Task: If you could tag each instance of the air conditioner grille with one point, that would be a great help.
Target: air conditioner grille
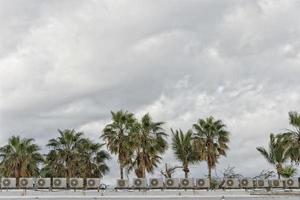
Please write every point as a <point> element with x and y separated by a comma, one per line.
<point>57,182</point>
<point>260,183</point>
<point>24,182</point>
<point>138,182</point>
<point>6,182</point>
<point>276,183</point>
<point>185,182</point>
<point>41,182</point>
<point>201,182</point>
<point>74,182</point>
<point>230,182</point>
<point>121,183</point>
<point>91,182</point>
<point>154,182</point>
<point>170,182</point>
<point>245,182</point>
<point>290,182</point>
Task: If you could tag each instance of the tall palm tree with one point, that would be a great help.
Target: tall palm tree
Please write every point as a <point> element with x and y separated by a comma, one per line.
<point>211,141</point>
<point>20,157</point>
<point>116,135</point>
<point>65,147</point>
<point>293,136</point>
<point>92,159</point>
<point>278,152</point>
<point>183,149</point>
<point>149,142</point>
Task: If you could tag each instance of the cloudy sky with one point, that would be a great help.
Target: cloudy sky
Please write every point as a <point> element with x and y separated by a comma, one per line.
<point>67,64</point>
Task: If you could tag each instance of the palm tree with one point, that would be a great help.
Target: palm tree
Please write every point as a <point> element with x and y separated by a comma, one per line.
<point>54,165</point>
<point>288,171</point>
<point>183,149</point>
<point>92,159</point>
<point>211,141</point>
<point>20,157</point>
<point>149,142</point>
<point>116,135</point>
<point>293,136</point>
<point>65,148</point>
<point>277,153</point>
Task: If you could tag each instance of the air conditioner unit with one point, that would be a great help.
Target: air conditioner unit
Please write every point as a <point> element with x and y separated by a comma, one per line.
<point>76,183</point>
<point>59,183</point>
<point>43,183</point>
<point>172,183</point>
<point>122,183</point>
<point>202,183</point>
<point>8,182</point>
<point>231,183</point>
<point>262,183</point>
<point>92,183</point>
<point>156,183</point>
<point>276,183</point>
<point>291,183</point>
<point>26,182</point>
<point>187,183</point>
<point>246,183</point>
<point>139,183</point>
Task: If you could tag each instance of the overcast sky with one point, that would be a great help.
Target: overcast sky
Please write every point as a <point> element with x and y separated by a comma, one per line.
<point>67,64</point>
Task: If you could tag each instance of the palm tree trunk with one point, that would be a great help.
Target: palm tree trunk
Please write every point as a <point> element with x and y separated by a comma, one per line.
<point>186,174</point>
<point>143,173</point>
<point>209,175</point>
<point>209,161</point>
<point>186,170</point>
<point>279,169</point>
<point>142,163</point>
<point>17,174</point>
<point>121,171</point>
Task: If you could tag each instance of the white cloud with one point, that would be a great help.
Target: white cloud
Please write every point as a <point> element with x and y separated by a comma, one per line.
<point>67,64</point>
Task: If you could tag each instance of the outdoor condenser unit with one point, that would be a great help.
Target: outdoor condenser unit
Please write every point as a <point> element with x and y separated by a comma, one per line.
<point>202,183</point>
<point>43,182</point>
<point>187,183</point>
<point>231,183</point>
<point>92,183</point>
<point>26,182</point>
<point>8,182</point>
<point>156,183</point>
<point>139,183</point>
<point>276,183</point>
<point>59,183</point>
<point>76,183</point>
<point>292,183</point>
<point>246,183</point>
<point>122,183</point>
<point>172,183</point>
<point>262,183</point>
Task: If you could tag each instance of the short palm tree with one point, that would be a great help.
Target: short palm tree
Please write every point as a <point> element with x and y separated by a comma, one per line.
<point>116,136</point>
<point>288,171</point>
<point>277,153</point>
<point>183,149</point>
<point>211,141</point>
<point>149,142</point>
<point>92,159</point>
<point>20,157</point>
<point>65,147</point>
<point>293,136</point>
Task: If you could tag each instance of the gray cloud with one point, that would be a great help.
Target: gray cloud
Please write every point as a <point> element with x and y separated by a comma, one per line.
<point>67,64</point>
